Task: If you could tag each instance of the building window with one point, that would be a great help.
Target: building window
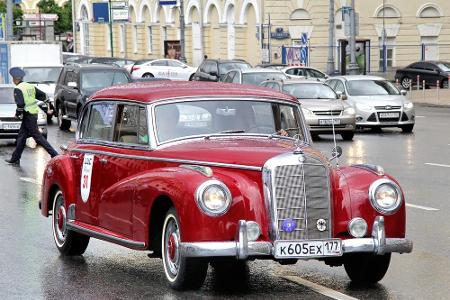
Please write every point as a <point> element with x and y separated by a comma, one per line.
<point>123,38</point>
<point>135,38</point>
<point>429,11</point>
<point>149,39</point>
<point>300,14</point>
<point>390,52</point>
<point>388,11</point>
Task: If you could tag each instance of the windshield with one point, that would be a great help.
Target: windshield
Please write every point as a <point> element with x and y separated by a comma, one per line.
<point>225,67</point>
<point>7,95</point>
<point>310,91</point>
<point>371,88</point>
<point>178,120</point>
<point>256,78</point>
<point>42,74</point>
<point>444,67</point>
<point>95,80</point>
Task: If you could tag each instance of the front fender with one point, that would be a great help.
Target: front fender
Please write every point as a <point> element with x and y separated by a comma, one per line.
<point>180,184</point>
<point>58,173</point>
<point>354,183</point>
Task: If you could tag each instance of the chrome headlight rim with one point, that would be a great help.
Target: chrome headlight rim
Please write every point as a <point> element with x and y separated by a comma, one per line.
<point>203,188</point>
<point>373,201</point>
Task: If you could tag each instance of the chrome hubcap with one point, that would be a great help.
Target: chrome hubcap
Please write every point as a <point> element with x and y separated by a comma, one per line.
<point>171,247</point>
<point>59,220</point>
<point>406,82</point>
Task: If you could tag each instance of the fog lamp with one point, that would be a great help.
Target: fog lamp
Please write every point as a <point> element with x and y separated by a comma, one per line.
<point>253,231</point>
<point>357,227</point>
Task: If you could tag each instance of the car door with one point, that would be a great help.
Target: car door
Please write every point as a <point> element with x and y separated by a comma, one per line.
<point>177,70</point>
<point>159,68</point>
<point>130,141</point>
<point>71,93</point>
<point>88,160</point>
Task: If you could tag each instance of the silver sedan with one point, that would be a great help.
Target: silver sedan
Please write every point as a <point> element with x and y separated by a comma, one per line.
<point>378,103</point>
<point>323,110</point>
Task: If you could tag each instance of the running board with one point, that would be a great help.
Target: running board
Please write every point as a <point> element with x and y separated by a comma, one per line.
<point>102,234</point>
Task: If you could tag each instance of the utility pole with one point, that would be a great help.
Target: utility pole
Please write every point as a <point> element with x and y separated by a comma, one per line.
<point>74,34</point>
<point>111,43</point>
<point>353,68</point>
<point>9,20</point>
<point>383,41</point>
<point>330,62</point>
<point>182,33</point>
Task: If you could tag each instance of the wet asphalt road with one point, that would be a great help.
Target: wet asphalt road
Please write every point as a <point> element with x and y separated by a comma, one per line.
<point>31,268</point>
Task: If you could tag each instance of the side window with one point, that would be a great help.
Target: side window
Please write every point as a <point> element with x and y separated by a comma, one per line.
<point>131,125</point>
<point>214,67</point>
<point>84,122</point>
<point>315,74</point>
<point>236,77</point>
<point>174,63</point>
<point>159,63</point>
<point>276,86</point>
<point>70,76</point>
<point>230,77</point>
<point>208,66</point>
<point>100,122</point>
<point>339,87</point>
<point>291,72</point>
<point>332,84</point>
<point>202,67</point>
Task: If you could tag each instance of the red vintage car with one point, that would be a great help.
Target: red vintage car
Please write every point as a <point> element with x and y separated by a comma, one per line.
<point>204,174</point>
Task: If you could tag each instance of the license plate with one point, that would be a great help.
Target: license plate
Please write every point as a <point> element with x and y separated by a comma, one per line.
<point>11,126</point>
<point>301,249</point>
<point>329,122</point>
<point>389,115</point>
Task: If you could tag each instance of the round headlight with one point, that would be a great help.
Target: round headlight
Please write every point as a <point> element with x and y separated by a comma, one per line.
<point>213,197</point>
<point>385,196</point>
<point>357,227</point>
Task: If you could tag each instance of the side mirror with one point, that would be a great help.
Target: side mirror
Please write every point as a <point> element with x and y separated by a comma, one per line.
<point>336,152</point>
<point>403,92</point>
<point>214,73</point>
<point>341,96</point>
<point>72,84</point>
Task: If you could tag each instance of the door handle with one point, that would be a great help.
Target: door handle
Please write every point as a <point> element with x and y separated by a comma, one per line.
<point>103,160</point>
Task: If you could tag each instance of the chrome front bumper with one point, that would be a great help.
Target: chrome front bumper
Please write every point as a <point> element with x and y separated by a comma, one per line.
<point>241,248</point>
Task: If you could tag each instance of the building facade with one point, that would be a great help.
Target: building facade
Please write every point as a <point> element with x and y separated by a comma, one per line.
<point>414,30</point>
<point>30,6</point>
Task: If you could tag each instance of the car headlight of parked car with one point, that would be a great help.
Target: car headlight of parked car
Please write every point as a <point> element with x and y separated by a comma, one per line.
<point>213,197</point>
<point>385,196</point>
<point>361,106</point>
<point>349,111</point>
<point>408,105</point>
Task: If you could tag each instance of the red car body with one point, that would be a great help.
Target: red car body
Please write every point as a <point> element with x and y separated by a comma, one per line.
<point>133,190</point>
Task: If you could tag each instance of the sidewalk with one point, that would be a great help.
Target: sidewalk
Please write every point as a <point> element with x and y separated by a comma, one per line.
<point>431,97</point>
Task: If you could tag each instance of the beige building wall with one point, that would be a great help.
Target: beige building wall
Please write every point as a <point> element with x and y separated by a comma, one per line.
<point>231,29</point>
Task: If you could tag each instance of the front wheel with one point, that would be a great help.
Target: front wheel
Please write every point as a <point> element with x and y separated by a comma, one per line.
<point>148,75</point>
<point>363,268</point>
<point>63,124</point>
<point>181,272</point>
<point>68,242</point>
<point>407,128</point>
<point>406,82</point>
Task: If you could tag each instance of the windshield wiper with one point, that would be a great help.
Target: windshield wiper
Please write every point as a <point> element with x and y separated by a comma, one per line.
<point>233,131</point>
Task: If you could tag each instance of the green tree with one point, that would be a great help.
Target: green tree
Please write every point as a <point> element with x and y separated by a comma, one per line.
<point>64,13</point>
<point>17,13</point>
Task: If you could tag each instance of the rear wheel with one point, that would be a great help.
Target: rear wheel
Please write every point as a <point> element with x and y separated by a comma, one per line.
<point>366,269</point>
<point>68,242</point>
<point>347,136</point>
<point>148,75</point>
<point>63,124</point>
<point>444,84</point>
<point>181,272</point>
<point>407,128</point>
<point>406,82</point>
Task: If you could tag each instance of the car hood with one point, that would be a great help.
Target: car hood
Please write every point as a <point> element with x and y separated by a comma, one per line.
<point>237,150</point>
<point>379,100</point>
<point>48,88</point>
<point>7,110</point>
<point>322,104</point>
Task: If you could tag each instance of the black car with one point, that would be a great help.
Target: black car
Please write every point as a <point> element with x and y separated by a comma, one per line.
<point>79,81</point>
<point>430,71</point>
<point>215,69</point>
<point>115,61</point>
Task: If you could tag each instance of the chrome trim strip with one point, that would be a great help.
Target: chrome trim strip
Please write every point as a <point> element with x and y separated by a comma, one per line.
<point>172,160</point>
<point>123,242</point>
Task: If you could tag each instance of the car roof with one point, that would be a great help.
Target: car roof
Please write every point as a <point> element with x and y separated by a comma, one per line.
<point>227,60</point>
<point>148,92</point>
<point>358,77</point>
<point>93,66</point>
<point>260,70</point>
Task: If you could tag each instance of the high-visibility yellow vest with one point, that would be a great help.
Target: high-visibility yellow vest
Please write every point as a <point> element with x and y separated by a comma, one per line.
<point>29,96</point>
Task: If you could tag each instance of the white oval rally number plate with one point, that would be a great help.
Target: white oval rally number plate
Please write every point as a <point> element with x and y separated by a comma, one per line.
<point>86,176</point>
<point>311,248</point>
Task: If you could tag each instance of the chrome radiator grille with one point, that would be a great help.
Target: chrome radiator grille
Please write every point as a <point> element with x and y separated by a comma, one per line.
<point>302,193</point>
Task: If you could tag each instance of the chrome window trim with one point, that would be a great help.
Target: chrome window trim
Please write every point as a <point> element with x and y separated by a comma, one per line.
<point>171,160</point>
<point>157,143</point>
<point>269,167</point>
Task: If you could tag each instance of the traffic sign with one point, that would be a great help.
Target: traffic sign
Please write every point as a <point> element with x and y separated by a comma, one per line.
<point>168,2</point>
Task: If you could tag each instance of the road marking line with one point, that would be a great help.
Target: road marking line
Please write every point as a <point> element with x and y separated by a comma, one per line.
<point>30,180</point>
<point>421,207</point>
<point>420,117</point>
<point>437,165</point>
<point>319,289</point>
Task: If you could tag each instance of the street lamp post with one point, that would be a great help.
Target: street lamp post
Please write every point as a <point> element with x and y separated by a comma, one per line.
<point>383,41</point>
<point>182,33</point>
<point>9,20</point>
<point>353,66</point>
<point>330,62</point>
<point>111,43</point>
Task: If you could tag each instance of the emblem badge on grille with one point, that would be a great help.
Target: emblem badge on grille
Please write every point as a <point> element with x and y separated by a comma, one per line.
<point>388,107</point>
<point>288,225</point>
<point>321,225</point>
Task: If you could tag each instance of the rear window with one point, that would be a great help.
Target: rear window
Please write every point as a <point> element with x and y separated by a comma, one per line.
<point>225,67</point>
<point>96,80</point>
<point>257,77</point>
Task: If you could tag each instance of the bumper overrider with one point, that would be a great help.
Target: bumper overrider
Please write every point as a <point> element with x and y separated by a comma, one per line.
<point>241,248</point>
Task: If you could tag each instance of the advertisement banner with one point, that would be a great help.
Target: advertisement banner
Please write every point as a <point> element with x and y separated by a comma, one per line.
<point>4,63</point>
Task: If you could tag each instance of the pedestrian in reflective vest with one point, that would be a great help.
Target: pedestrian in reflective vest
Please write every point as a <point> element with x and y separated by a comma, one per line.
<point>25,96</point>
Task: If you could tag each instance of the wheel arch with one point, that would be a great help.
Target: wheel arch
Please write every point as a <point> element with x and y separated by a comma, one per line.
<point>158,211</point>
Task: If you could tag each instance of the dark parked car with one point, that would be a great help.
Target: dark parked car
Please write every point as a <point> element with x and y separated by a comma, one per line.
<point>215,69</point>
<point>121,62</point>
<point>79,81</point>
<point>430,71</point>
